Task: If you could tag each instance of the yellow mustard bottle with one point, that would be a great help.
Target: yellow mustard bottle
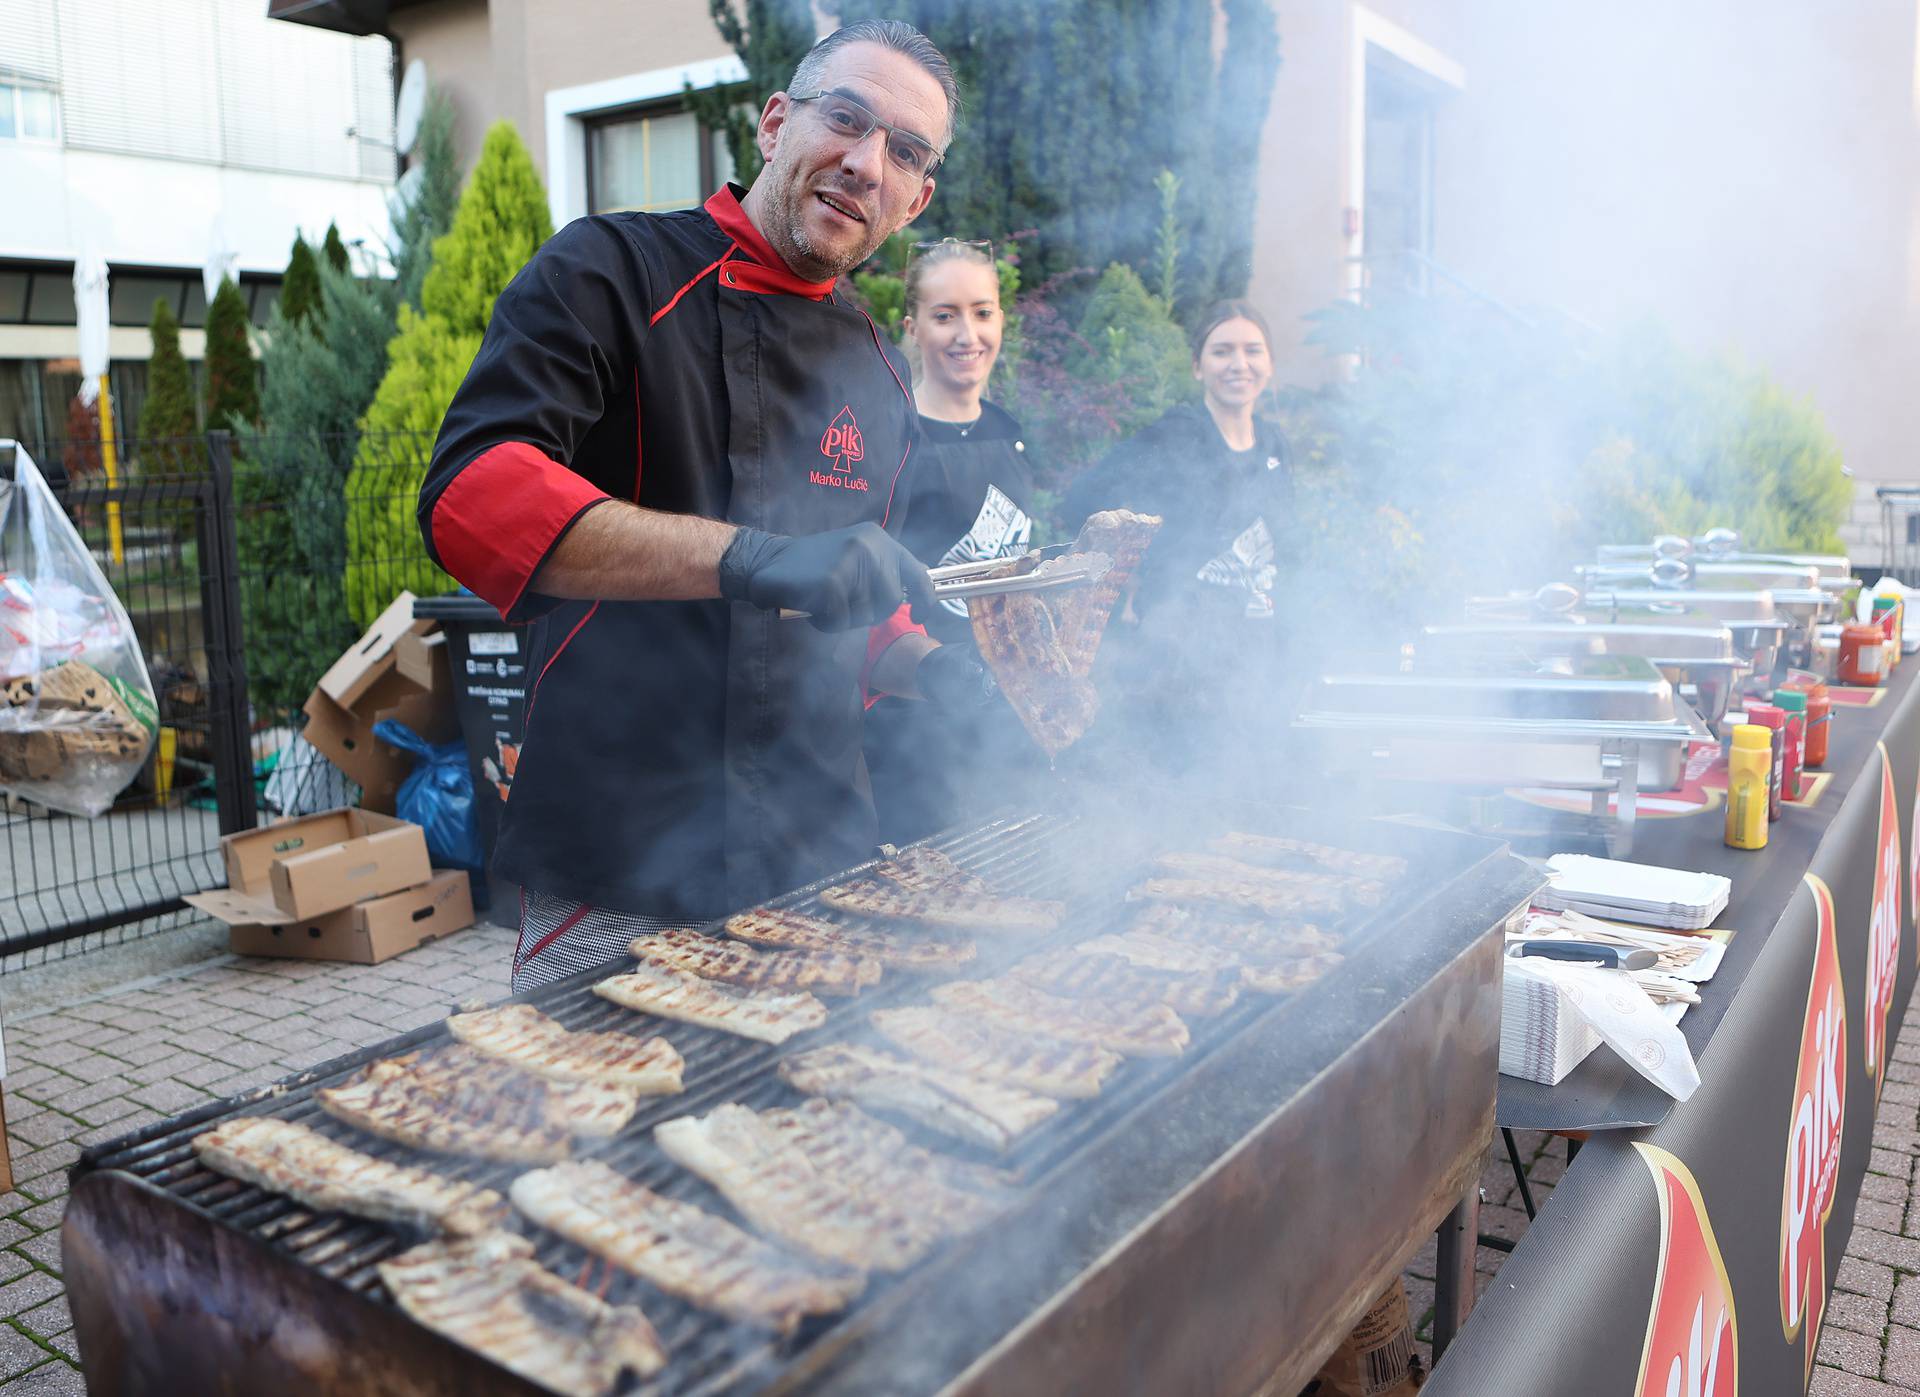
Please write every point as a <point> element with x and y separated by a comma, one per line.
<point>1749,765</point>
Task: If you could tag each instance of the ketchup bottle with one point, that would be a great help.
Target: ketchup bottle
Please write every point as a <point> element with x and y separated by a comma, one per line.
<point>1775,721</point>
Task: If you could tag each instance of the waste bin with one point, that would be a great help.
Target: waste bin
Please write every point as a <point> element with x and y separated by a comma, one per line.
<point>489,663</point>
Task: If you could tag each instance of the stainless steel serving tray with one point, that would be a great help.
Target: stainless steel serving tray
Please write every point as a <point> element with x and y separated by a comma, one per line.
<point>1558,688</point>
<point>1691,573</point>
<point>1703,660</point>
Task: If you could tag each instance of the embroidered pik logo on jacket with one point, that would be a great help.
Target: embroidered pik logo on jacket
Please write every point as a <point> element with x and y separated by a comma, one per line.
<point>841,442</point>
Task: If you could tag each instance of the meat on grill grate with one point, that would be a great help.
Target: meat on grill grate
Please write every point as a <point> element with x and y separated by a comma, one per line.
<point>974,1109</point>
<point>713,958</point>
<point>489,1294</point>
<point>1087,972</point>
<point>997,1052</point>
<point>1232,873</point>
<point>770,926</point>
<point>774,1187</point>
<point>1137,1030</point>
<point>945,907</point>
<point>673,994</point>
<point>682,1249</point>
<point>459,1101</point>
<point>1279,851</point>
<point>522,1035</point>
<point>1270,958</point>
<point>321,1173</point>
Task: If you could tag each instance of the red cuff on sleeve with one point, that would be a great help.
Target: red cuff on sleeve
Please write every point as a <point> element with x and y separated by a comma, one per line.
<point>878,640</point>
<point>497,520</point>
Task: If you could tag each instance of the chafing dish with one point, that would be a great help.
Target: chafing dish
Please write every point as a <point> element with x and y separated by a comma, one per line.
<point>1701,660</point>
<point>1603,724</point>
<point>1723,546</point>
<point>1760,629</point>
<point>1717,576</point>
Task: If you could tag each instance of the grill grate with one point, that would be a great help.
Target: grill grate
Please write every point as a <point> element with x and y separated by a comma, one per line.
<point>1079,857</point>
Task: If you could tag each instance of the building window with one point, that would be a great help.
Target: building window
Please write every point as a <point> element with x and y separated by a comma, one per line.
<point>28,113</point>
<point>653,159</point>
<point>1397,216</point>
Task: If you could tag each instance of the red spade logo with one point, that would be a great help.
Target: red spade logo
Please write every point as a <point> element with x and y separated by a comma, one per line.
<point>841,441</point>
<point>1813,1136</point>
<point>1692,1347</point>
<point>1883,932</point>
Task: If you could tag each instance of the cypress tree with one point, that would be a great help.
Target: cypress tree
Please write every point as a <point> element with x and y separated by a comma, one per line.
<point>424,217</point>
<point>167,414</point>
<point>1073,106</point>
<point>770,37</point>
<point>500,222</point>
<point>334,250</point>
<point>300,291</point>
<point>233,393</point>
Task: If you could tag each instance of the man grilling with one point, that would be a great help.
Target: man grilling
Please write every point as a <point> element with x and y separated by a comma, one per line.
<point>675,431</point>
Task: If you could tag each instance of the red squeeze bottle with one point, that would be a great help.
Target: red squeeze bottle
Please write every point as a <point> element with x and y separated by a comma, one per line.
<point>1774,719</point>
<point>1795,704</point>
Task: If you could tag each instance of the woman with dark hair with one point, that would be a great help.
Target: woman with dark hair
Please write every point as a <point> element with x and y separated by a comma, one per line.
<point>1204,643</point>
<point>972,492</point>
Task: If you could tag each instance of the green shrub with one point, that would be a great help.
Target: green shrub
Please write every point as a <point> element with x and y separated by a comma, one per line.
<point>499,224</point>
<point>233,390</point>
<point>300,291</point>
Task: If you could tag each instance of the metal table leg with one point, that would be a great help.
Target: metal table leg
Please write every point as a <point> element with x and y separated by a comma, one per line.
<point>1453,1269</point>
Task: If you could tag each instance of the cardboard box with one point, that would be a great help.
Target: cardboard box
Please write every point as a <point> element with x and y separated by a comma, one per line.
<point>302,869</point>
<point>398,670</point>
<point>368,932</point>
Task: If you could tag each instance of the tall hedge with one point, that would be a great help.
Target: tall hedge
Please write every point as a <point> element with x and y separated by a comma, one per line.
<point>233,390</point>
<point>334,250</point>
<point>500,222</point>
<point>1070,108</point>
<point>167,416</point>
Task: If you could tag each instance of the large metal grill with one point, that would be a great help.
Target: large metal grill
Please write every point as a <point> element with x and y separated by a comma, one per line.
<point>1085,1178</point>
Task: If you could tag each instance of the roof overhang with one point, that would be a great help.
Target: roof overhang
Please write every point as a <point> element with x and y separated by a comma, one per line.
<point>342,16</point>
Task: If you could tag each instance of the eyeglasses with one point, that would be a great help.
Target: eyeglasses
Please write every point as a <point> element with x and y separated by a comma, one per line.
<point>977,244</point>
<point>854,120</point>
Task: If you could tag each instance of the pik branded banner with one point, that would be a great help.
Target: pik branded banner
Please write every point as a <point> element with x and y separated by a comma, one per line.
<point>1695,1258</point>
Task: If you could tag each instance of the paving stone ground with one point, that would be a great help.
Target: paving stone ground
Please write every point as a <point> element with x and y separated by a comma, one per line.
<point>87,1069</point>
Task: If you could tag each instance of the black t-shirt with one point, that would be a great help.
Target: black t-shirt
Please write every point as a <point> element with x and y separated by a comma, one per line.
<point>972,498</point>
<point>1226,512</point>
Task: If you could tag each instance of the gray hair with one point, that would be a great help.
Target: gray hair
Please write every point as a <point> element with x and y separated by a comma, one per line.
<point>895,34</point>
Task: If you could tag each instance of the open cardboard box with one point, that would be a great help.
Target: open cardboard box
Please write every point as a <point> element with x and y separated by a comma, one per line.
<point>367,932</point>
<point>302,869</point>
<point>399,670</point>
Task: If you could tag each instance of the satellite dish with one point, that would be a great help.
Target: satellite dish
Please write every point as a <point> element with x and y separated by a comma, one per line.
<point>410,107</point>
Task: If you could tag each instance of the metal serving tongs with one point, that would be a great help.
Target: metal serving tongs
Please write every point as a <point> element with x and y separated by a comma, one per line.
<point>965,579</point>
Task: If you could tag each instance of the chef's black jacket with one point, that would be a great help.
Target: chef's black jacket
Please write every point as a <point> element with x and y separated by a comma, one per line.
<point>972,500</point>
<point>683,758</point>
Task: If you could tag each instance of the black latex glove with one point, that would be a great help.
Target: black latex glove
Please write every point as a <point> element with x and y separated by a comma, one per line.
<point>843,580</point>
<point>951,677</point>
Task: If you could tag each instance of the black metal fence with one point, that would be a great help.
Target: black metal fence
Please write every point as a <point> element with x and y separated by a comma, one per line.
<point>239,562</point>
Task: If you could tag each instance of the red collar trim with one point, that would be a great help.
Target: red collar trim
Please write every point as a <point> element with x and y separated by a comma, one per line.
<point>773,273</point>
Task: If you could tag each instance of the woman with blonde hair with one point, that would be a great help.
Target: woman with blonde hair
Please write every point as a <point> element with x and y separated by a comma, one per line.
<point>972,494</point>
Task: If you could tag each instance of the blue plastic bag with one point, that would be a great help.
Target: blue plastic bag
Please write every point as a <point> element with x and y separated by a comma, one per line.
<point>438,796</point>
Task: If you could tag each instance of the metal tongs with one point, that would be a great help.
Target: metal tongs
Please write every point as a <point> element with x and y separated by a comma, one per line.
<point>964,580</point>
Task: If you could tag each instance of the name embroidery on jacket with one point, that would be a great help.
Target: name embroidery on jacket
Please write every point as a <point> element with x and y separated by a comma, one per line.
<point>843,445</point>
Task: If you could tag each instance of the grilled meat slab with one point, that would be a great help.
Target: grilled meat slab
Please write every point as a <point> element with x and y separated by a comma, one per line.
<point>490,1295</point>
<point>777,1188</point>
<point>459,1101</point>
<point>522,1035</point>
<point>920,868</point>
<point>970,1046</point>
<point>978,1111</point>
<point>712,958</point>
<point>1019,641</point>
<point>1083,972</point>
<point>1137,1030</point>
<point>327,1176</point>
<point>1279,851</point>
<point>868,1155</point>
<point>944,907</point>
<point>684,1250</point>
<point>674,994</point>
<point>767,926</point>
<point>1270,959</point>
<point>1366,892</point>
<point>1081,613</point>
